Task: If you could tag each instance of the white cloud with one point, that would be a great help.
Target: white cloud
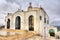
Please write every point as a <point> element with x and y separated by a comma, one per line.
<point>52,7</point>
<point>6,7</point>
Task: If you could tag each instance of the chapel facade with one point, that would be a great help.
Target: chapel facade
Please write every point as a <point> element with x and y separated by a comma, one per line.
<point>34,19</point>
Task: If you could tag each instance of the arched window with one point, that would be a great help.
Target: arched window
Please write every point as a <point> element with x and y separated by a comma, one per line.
<point>17,22</point>
<point>31,23</point>
<point>52,32</point>
<point>8,24</point>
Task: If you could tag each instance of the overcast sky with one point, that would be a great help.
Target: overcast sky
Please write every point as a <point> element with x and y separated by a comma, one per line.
<point>52,8</point>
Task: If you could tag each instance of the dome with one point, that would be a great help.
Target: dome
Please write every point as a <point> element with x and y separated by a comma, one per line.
<point>30,5</point>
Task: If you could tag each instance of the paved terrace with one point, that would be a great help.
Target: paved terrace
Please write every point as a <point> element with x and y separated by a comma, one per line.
<point>21,35</point>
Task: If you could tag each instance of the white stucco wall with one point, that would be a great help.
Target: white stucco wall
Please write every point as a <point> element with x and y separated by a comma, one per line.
<point>39,25</point>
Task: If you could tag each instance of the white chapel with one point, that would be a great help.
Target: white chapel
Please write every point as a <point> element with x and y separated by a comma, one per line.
<point>34,19</point>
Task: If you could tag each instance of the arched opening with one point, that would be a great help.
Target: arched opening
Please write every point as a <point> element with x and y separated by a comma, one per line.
<point>31,23</point>
<point>52,32</point>
<point>18,22</point>
<point>8,24</point>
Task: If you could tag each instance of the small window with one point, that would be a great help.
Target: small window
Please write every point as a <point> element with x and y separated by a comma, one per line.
<point>44,20</point>
<point>40,17</point>
<point>47,21</point>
